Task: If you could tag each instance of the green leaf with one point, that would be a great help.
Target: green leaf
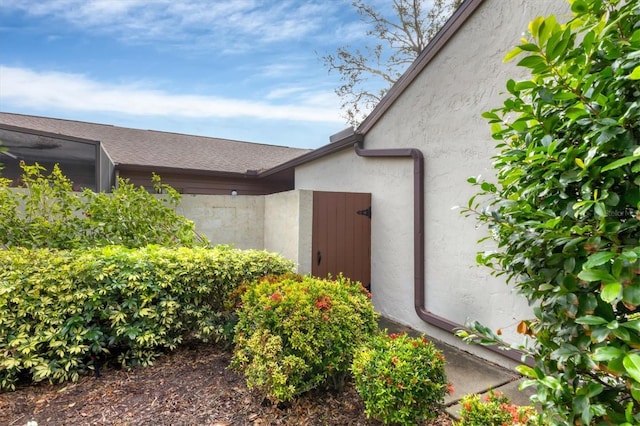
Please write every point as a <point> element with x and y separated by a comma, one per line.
<point>571,246</point>
<point>616,268</point>
<point>569,176</point>
<point>565,351</point>
<point>576,112</point>
<point>631,363</point>
<point>534,26</point>
<point>622,334</point>
<point>562,45</point>
<point>579,7</point>
<point>616,365</point>
<point>606,135</point>
<point>631,295</point>
<point>634,325</point>
<point>599,335</point>
<point>619,163</point>
<point>635,393</point>
<point>551,382</point>
<point>529,47</point>
<point>611,292</point>
<point>581,406</point>
<point>490,115</point>
<point>547,28</point>
<point>600,209</point>
<point>569,264</point>
<point>591,320</point>
<point>635,74</point>
<point>598,259</point>
<point>612,199</point>
<point>607,353</point>
<point>593,389</point>
<point>595,275</point>
<point>527,371</point>
<point>531,62</point>
<point>512,54</point>
<point>526,84</point>
<point>564,96</point>
<point>551,46</point>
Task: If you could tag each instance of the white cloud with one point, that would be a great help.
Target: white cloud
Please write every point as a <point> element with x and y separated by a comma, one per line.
<point>55,90</point>
<point>284,92</point>
<point>224,24</point>
<point>283,69</point>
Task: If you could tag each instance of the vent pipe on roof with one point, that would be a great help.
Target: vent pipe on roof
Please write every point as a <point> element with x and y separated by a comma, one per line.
<point>342,135</point>
<point>419,283</point>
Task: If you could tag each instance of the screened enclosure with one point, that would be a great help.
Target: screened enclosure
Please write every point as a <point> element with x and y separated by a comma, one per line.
<point>83,161</point>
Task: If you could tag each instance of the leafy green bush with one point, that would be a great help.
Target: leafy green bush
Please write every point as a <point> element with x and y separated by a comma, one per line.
<point>400,379</point>
<point>49,214</point>
<point>295,334</point>
<point>60,309</point>
<point>494,409</point>
<point>565,212</point>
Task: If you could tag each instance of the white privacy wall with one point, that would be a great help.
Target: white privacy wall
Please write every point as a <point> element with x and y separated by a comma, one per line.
<point>280,223</point>
<point>227,219</point>
<point>440,115</point>
<point>288,226</point>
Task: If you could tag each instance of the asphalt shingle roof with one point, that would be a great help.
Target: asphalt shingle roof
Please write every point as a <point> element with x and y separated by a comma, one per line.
<point>137,147</point>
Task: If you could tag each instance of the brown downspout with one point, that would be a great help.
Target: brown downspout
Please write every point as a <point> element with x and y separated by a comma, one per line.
<point>418,240</point>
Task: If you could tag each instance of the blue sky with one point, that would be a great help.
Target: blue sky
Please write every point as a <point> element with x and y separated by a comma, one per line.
<point>237,69</point>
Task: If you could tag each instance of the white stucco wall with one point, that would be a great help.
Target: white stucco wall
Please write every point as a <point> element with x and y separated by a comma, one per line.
<point>280,223</point>
<point>227,219</point>
<point>288,225</point>
<point>439,114</point>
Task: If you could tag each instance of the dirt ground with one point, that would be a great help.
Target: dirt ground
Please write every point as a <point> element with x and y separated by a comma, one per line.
<point>191,386</point>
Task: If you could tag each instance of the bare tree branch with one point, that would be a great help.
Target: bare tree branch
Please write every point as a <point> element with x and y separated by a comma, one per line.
<point>367,74</point>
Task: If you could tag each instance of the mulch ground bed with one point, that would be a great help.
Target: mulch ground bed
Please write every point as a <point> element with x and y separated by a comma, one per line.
<point>191,386</point>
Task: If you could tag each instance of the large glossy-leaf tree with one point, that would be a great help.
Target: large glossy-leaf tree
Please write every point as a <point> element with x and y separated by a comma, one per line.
<point>564,210</point>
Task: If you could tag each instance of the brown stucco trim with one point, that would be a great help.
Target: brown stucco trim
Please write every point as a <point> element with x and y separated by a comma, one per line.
<point>457,20</point>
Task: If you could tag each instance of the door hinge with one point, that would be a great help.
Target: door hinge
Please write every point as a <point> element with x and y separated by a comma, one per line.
<point>365,212</point>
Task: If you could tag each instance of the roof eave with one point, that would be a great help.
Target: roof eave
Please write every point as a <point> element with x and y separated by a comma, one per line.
<point>179,170</point>
<point>342,140</point>
<point>47,134</point>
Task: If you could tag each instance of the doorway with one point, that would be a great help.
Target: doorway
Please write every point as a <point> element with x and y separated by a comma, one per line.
<point>341,235</point>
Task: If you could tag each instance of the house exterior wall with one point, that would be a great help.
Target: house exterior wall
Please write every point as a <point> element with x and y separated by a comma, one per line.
<point>440,115</point>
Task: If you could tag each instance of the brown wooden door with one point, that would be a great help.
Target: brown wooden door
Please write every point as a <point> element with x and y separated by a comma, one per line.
<point>341,240</point>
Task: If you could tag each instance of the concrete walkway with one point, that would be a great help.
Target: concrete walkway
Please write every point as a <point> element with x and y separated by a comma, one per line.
<point>468,373</point>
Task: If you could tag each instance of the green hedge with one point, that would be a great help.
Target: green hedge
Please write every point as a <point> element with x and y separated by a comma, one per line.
<point>46,213</point>
<point>295,334</point>
<point>62,309</point>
